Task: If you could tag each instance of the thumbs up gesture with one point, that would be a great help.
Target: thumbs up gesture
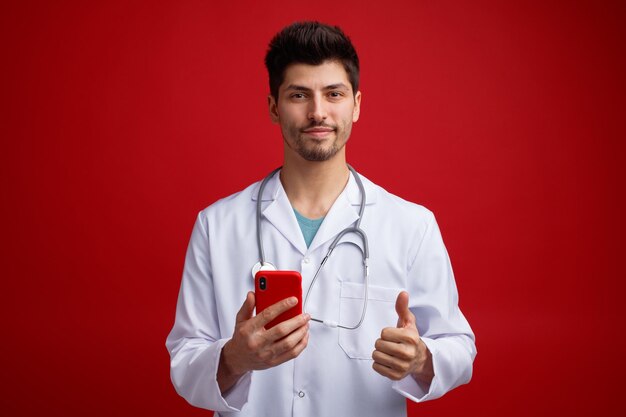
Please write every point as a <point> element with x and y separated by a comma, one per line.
<point>400,351</point>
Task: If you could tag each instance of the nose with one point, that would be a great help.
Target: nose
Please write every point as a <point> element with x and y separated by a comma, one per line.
<point>317,110</point>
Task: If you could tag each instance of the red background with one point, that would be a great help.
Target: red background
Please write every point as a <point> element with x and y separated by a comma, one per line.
<point>121,120</point>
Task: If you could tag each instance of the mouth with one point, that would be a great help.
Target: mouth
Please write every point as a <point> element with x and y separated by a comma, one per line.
<point>318,131</point>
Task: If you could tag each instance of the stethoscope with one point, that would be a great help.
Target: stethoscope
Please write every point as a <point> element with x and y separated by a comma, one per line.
<point>264,265</point>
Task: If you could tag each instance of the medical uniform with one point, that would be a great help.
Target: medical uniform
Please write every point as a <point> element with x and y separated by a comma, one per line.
<point>333,376</point>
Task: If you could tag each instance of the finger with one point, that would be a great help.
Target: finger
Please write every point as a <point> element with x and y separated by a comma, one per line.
<point>273,311</point>
<point>245,312</point>
<point>390,361</point>
<point>287,327</point>
<point>291,340</point>
<point>294,352</point>
<point>387,372</point>
<point>401,351</point>
<point>405,317</point>
<point>404,335</point>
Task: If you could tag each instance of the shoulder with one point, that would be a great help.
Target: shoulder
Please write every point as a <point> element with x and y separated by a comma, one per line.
<point>226,207</point>
<point>398,207</point>
<point>399,223</point>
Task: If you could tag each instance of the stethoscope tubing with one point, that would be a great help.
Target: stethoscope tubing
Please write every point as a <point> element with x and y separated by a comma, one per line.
<point>355,229</point>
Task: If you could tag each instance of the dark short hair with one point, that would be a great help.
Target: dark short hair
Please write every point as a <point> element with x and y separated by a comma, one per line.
<point>310,43</point>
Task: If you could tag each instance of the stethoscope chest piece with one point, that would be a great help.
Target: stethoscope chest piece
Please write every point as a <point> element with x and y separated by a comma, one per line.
<point>266,266</point>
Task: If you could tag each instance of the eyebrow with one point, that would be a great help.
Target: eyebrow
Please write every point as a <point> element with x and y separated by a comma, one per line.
<point>336,86</point>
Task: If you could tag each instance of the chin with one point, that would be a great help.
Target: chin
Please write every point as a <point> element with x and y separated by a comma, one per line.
<point>319,154</point>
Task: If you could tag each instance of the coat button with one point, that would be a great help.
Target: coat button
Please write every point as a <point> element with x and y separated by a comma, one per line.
<point>306,260</point>
<point>301,394</point>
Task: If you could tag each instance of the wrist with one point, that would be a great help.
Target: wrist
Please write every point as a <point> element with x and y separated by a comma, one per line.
<point>227,375</point>
<point>228,364</point>
<point>425,373</point>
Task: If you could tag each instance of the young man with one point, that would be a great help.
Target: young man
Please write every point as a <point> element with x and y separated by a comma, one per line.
<point>413,341</point>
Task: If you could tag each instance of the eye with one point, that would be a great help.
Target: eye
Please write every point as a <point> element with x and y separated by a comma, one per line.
<point>335,94</point>
<point>297,96</point>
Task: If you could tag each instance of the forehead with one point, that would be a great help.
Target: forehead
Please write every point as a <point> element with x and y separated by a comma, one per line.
<point>315,76</point>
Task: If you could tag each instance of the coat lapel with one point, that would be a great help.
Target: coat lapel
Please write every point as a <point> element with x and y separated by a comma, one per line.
<point>279,214</point>
<point>343,213</point>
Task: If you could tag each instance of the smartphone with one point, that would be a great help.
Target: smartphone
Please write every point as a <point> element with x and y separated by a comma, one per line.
<point>271,287</point>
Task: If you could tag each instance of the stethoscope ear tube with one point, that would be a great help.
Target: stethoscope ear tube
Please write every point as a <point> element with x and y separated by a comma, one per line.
<point>258,215</point>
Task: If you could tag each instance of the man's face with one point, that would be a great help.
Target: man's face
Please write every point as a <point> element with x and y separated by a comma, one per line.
<point>315,110</point>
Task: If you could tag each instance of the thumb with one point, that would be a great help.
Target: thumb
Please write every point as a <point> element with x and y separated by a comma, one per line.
<point>247,308</point>
<point>405,317</point>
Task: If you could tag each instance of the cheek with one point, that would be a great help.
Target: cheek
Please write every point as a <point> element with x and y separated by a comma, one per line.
<point>347,130</point>
<point>287,118</point>
<point>289,128</point>
<point>347,120</point>
<point>349,114</point>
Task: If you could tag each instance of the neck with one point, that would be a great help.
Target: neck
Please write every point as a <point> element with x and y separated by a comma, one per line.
<point>313,187</point>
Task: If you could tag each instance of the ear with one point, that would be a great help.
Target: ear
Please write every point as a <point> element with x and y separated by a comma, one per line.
<point>273,109</point>
<point>357,107</point>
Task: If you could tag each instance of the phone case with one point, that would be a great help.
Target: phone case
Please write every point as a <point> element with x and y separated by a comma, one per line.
<point>278,286</point>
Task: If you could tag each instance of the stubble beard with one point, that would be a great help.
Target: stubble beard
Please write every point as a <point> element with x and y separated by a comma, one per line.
<point>314,151</point>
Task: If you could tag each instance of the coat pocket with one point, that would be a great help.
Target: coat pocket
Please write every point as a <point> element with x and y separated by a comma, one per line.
<point>381,313</point>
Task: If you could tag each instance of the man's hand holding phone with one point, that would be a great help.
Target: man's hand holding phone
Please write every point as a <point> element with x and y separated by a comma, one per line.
<point>253,347</point>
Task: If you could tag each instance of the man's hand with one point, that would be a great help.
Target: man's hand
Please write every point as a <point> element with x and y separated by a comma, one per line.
<point>252,347</point>
<point>400,351</point>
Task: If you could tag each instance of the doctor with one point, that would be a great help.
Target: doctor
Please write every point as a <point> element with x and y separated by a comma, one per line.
<point>414,341</point>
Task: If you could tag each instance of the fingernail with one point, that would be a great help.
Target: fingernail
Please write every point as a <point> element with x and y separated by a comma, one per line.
<point>292,301</point>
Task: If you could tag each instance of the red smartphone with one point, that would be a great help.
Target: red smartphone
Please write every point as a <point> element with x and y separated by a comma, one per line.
<point>271,287</point>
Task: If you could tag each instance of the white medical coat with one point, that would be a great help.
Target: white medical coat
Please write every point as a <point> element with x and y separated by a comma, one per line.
<point>333,376</point>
